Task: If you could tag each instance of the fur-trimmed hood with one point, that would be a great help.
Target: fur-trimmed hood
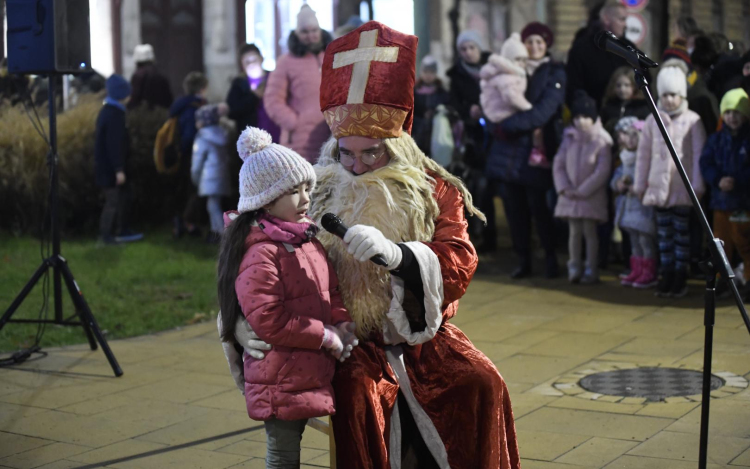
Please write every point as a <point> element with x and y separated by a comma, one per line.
<point>297,49</point>
<point>497,64</point>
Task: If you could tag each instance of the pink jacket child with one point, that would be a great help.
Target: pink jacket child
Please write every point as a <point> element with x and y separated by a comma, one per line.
<point>656,175</point>
<point>288,292</point>
<point>582,164</point>
<point>503,82</point>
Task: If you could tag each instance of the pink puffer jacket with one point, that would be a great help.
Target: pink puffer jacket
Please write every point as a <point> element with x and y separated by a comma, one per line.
<point>503,89</point>
<point>656,175</point>
<point>288,297</point>
<point>292,100</point>
<point>583,165</point>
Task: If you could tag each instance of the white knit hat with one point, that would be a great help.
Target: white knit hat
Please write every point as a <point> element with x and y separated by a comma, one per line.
<point>306,18</point>
<point>269,170</point>
<point>513,48</point>
<point>672,80</point>
<point>143,53</point>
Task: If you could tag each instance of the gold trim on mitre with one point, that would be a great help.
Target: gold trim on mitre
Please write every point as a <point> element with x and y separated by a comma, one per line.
<point>365,120</point>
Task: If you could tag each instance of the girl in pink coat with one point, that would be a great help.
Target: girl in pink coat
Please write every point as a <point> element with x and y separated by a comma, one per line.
<point>503,81</point>
<point>273,271</point>
<point>581,170</point>
<point>659,185</point>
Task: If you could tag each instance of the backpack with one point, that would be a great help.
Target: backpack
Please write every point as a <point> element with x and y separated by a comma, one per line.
<point>167,153</point>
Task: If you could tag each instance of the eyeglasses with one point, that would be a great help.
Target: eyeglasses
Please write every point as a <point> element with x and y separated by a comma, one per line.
<point>368,158</point>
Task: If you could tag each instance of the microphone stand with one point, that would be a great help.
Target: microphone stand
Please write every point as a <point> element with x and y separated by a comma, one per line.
<point>717,264</point>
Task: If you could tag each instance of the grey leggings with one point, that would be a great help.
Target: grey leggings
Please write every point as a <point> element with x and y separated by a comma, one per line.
<point>583,228</point>
<point>283,439</point>
<point>642,245</point>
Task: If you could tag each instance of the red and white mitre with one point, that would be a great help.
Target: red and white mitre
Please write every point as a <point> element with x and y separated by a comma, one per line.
<point>367,88</point>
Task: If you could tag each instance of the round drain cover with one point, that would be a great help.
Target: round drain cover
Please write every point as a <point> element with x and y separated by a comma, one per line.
<point>653,383</point>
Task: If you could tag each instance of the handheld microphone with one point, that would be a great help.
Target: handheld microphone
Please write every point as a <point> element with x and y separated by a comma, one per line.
<point>608,42</point>
<point>333,224</point>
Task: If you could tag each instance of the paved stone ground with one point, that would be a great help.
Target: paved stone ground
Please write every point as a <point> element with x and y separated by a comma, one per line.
<point>176,405</point>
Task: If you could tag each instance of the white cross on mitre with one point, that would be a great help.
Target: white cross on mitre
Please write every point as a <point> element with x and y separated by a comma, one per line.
<point>361,57</point>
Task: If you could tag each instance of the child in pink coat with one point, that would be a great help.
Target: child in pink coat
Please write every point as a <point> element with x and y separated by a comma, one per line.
<point>503,81</point>
<point>659,185</point>
<point>581,170</point>
<point>275,273</point>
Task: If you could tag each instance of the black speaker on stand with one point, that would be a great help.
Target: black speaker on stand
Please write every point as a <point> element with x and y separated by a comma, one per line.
<point>52,38</point>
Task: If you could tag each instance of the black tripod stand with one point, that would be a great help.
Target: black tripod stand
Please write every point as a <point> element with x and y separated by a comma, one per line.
<point>717,264</point>
<point>58,264</point>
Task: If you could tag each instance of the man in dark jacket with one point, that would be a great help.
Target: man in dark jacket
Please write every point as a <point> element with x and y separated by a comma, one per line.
<point>149,86</point>
<point>111,152</point>
<point>590,68</point>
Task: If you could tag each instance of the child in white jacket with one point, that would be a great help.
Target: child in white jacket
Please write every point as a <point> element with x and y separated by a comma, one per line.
<point>658,184</point>
<point>503,81</point>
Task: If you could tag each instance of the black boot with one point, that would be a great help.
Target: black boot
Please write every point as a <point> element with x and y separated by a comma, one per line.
<point>679,287</point>
<point>551,268</point>
<point>523,270</point>
<point>664,288</point>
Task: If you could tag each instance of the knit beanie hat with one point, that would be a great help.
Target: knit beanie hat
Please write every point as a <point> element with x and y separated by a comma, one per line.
<point>629,122</point>
<point>677,50</point>
<point>207,115</point>
<point>736,100</point>
<point>143,53</point>
<point>672,80</point>
<point>513,48</point>
<point>429,64</point>
<point>470,35</point>
<point>539,29</point>
<point>118,87</point>
<point>583,105</point>
<point>306,18</point>
<point>268,170</point>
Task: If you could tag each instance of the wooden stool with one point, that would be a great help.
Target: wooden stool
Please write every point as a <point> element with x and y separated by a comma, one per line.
<point>323,425</point>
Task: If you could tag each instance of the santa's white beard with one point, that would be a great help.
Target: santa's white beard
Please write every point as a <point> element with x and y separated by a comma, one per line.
<point>393,199</point>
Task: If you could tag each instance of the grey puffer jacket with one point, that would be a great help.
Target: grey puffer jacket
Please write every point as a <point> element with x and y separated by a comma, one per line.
<point>210,165</point>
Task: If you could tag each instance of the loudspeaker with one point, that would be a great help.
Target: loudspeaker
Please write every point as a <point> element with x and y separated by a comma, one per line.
<point>48,36</point>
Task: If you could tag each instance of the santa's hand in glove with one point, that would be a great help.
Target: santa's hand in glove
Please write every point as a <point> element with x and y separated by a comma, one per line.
<point>364,242</point>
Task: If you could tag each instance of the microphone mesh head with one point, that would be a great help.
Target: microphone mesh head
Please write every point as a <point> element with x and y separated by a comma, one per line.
<point>330,222</point>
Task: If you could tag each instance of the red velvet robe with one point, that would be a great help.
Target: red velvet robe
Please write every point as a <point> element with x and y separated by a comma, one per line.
<point>457,385</point>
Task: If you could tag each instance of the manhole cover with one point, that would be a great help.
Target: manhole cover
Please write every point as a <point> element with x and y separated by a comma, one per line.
<point>653,383</point>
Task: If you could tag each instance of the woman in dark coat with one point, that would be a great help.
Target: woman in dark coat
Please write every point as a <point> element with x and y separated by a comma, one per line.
<point>245,97</point>
<point>523,179</point>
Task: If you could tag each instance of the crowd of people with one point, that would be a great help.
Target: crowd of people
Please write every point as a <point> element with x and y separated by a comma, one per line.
<point>574,150</point>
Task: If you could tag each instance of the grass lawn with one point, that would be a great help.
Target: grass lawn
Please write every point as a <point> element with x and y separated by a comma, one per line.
<point>133,289</point>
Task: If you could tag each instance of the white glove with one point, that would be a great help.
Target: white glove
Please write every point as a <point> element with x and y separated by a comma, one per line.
<point>249,340</point>
<point>366,241</point>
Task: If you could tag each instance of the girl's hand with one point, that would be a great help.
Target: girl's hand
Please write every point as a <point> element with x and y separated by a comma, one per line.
<point>346,330</point>
<point>333,342</point>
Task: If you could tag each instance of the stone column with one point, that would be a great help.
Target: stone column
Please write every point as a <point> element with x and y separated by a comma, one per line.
<point>219,49</point>
<point>131,34</point>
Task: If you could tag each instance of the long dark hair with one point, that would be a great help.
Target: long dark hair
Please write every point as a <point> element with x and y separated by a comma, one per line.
<point>231,253</point>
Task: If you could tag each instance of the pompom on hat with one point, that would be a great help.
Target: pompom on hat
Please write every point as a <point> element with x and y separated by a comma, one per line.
<point>627,123</point>
<point>268,170</point>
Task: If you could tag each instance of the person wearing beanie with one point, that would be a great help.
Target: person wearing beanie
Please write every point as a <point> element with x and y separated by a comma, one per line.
<point>429,93</point>
<point>503,81</point>
<point>725,166</point>
<point>520,156</point>
<point>111,153</point>
<point>292,94</point>
<point>274,277</point>
<point>657,183</point>
<point>150,87</point>
<point>465,90</point>
<point>631,216</point>
<point>210,164</point>
<point>581,170</point>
